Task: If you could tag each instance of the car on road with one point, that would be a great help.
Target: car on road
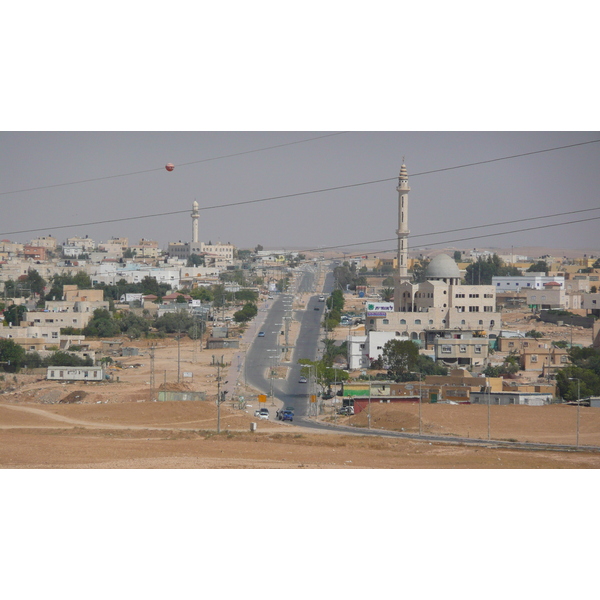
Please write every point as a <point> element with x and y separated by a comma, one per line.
<point>302,379</point>
<point>321,298</point>
<point>263,413</point>
<point>261,334</point>
<point>317,308</point>
<point>286,415</point>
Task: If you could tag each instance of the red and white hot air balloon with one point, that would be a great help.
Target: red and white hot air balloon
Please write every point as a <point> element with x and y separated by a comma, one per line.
<point>169,166</point>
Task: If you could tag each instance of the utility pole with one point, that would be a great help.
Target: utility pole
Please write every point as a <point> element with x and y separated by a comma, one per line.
<point>369,414</point>
<point>578,403</point>
<point>219,399</point>
<point>178,355</point>
<point>420,402</point>
<point>488,403</point>
<point>152,374</point>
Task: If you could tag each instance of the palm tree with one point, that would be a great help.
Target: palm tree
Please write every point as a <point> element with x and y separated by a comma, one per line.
<point>387,294</point>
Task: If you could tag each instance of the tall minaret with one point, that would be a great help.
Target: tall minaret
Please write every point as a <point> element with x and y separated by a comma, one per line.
<point>195,215</point>
<point>402,231</point>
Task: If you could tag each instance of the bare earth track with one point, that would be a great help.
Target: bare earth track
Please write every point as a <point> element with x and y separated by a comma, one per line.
<point>183,435</point>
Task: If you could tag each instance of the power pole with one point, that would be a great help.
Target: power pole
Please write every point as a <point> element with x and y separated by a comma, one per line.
<point>152,374</point>
<point>178,355</point>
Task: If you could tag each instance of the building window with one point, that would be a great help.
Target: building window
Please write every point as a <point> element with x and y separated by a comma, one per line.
<point>534,358</point>
<point>417,321</point>
<point>463,348</point>
<point>477,349</point>
<point>446,349</point>
<point>386,321</point>
<point>402,321</point>
<point>564,359</point>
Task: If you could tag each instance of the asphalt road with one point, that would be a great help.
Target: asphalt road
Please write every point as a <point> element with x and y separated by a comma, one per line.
<point>265,351</point>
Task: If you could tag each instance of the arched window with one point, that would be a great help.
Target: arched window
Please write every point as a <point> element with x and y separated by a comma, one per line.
<point>402,321</point>
<point>417,321</point>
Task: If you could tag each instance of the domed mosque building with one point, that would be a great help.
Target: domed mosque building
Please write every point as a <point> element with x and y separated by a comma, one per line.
<point>439,313</point>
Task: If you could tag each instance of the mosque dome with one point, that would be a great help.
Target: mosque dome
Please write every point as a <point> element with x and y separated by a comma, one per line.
<point>442,267</point>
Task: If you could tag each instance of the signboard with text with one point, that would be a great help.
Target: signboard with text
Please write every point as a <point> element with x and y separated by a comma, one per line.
<point>379,309</point>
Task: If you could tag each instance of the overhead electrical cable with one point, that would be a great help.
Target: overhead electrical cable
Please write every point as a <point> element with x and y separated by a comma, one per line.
<point>297,194</point>
<point>161,168</point>
<point>446,242</point>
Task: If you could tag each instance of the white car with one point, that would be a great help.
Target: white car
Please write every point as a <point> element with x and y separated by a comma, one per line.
<point>263,413</point>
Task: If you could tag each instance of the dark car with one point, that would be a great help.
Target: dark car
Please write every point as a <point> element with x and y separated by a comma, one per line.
<point>286,415</point>
<point>316,308</point>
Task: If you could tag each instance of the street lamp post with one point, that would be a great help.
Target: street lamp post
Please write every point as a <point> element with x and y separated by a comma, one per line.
<point>578,404</point>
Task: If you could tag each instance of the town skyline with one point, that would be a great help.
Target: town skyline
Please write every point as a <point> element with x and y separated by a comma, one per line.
<point>261,187</point>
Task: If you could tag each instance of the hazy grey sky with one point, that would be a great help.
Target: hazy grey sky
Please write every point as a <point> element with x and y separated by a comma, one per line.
<point>509,190</point>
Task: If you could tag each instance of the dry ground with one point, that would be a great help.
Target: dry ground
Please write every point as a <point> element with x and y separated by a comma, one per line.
<point>183,435</point>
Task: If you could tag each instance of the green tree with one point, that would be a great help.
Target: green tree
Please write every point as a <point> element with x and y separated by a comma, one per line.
<point>36,282</point>
<point>12,355</point>
<point>457,256</point>
<point>482,271</point>
<point>541,266</point>
<point>102,324</point>
<point>247,313</point>
<point>174,322</point>
<point>66,359</point>
<point>82,280</point>
<point>325,375</point>
<point>419,270</point>
<point>387,294</point>
<point>202,293</point>
<point>195,260</point>
<point>399,357</point>
<point>14,314</point>
<point>532,333</point>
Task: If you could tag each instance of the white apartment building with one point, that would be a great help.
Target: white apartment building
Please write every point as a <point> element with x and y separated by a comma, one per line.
<point>535,281</point>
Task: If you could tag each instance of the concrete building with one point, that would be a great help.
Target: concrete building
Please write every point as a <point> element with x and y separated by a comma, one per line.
<point>533,281</point>
<point>591,303</point>
<point>75,373</point>
<point>464,352</point>
<point>441,303</point>
<point>47,242</point>
<point>505,398</point>
<point>86,243</point>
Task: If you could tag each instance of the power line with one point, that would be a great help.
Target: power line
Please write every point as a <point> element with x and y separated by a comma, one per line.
<point>412,237</point>
<point>194,162</point>
<point>297,194</point>
<point>475,237</point>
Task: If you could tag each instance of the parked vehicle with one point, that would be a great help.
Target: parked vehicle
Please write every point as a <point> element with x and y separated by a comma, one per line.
<point>346,410</point>
<point>302,379</point>
<point>263,413</point>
